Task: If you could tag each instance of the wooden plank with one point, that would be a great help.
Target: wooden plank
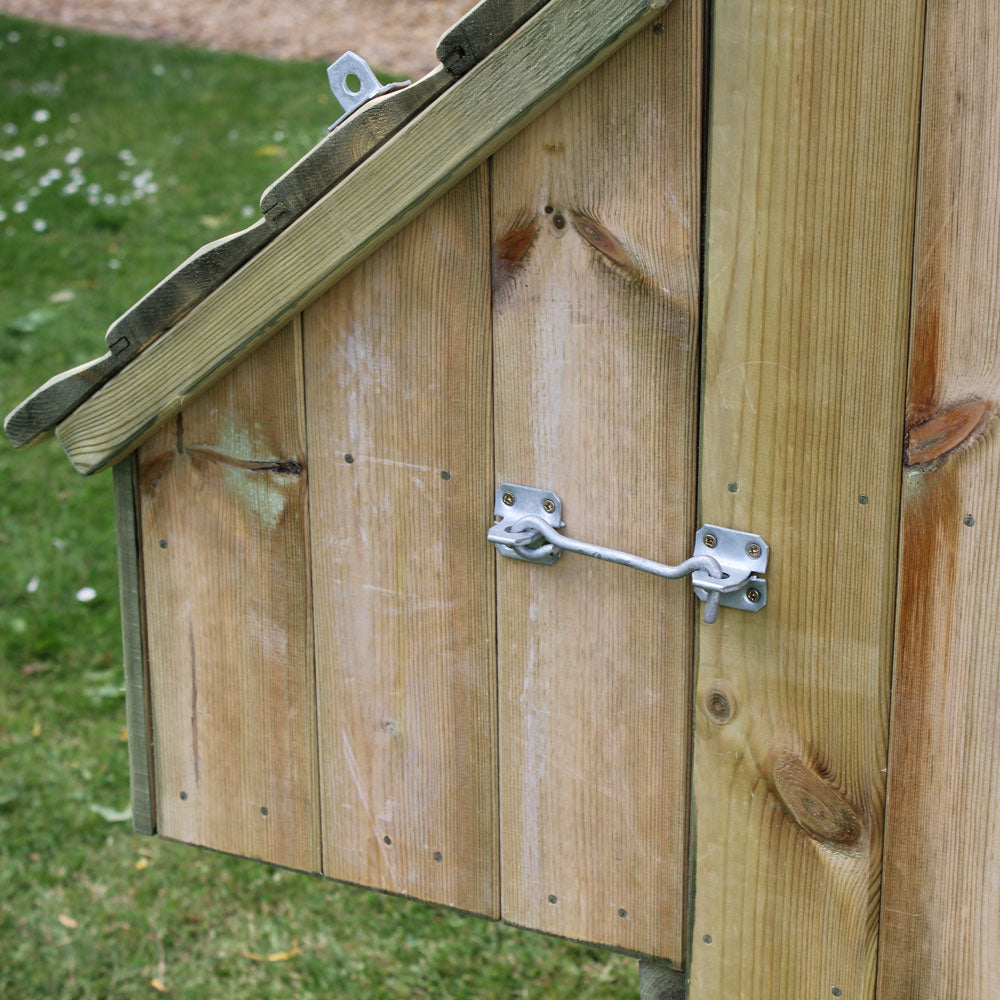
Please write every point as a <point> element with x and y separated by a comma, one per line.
<point>205,270</point>
<point>137,712</point>
<point>596,313</point>
<point>481,30</point>
<point>398,389</point>
<point>492,102</point>
<point>810,204</point>
<point>225,545</point>
<point>940,919</point>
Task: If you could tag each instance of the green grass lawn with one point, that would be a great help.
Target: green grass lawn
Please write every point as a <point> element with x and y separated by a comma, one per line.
<point>117,159</point>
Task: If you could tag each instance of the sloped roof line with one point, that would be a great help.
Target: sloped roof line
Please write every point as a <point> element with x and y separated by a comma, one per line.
<point>461,47</point>
<point>452,135</point>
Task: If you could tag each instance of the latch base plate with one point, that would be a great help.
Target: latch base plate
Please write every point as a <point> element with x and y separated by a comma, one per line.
<point>743,557</point>
<point>513,502</point>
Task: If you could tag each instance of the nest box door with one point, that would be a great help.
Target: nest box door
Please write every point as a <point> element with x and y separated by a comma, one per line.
<point>355,687</point>
<point>595,327</point>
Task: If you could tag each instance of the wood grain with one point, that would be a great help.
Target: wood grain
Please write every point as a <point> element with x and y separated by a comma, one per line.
<point>137,709</point>
<point>813,143</point>
<point>225,547</point>
<point>398,390</point>
<point>492,102</point>
<point>596,317</point>
<point>940,919</point>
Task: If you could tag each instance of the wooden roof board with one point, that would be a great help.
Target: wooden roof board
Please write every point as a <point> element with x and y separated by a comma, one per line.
<point>400,153</point>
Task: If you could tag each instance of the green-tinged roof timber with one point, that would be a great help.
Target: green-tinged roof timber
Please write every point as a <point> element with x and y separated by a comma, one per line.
<point>502,65</point>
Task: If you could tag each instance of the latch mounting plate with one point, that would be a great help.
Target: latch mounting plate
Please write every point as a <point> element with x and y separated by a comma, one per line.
<point>514,502</point>
<point>743,557</point>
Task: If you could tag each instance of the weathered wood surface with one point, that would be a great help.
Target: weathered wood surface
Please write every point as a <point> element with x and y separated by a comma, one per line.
<point>940,914</point>
<point>225,549</point>
<point>205,270</point>
<point>813,143</point>
<point>596,317</point>
<point>348,145</point>
<point>137,709</point>
<point>35,418</point>
<point>459,130</point>
<point>466,43</point>
<point>481,30</point>
<point>398,388</point>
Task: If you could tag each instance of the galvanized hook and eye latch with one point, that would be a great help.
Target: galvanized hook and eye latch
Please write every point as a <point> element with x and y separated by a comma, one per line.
<point>726,568</point>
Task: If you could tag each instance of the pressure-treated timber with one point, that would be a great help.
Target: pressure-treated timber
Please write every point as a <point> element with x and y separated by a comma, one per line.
<point>493,101</point>
<point>940,932</point>
<point>137,714</point>
<point>596,233</point>
<point>207,268</point>
<point>398,396</point>
<point>812,162</point>
<point>225,547</point>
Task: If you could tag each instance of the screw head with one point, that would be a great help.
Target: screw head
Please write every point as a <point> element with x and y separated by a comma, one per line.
<point>710,541</point>
<point>753,595</point>
<point>548,506</point>
<point>508,499</point>
<point>753,550</point>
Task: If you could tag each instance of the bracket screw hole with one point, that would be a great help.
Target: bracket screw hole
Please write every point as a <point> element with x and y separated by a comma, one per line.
<point>508,499</point>
<point>753,595</point>
<point>710,541</point>
<point>753,550</point>
<point>547,505</point>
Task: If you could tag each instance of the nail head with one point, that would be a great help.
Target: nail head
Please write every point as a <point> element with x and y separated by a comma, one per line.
<point>968,520</point>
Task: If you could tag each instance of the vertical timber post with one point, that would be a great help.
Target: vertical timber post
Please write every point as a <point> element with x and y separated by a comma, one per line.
<point>134,648</point>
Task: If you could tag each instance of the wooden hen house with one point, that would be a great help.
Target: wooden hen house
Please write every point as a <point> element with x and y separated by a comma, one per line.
<point>669,265</point>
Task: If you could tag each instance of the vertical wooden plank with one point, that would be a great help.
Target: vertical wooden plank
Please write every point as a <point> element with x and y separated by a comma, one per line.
<point>596,230</point>
<point>940,913</point>
<point>225,549</point>
<point>813,143</point>
<point>398,388</point>
<point>137,709</point>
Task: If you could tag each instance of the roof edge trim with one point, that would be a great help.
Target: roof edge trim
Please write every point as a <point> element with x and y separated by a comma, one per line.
<point>564,41</point>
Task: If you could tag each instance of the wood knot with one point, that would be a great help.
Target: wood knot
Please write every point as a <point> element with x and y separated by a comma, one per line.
<point>931,442</point>
<point>814,803</point>
<point>511,252</point>
<point>720,705</point>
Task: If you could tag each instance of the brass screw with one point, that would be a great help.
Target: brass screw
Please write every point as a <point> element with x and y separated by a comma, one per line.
<point>508,499</point>
<point>548,506</point>
<point>753,550</point>
<point>710,541</point>
<point>753,595</point>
